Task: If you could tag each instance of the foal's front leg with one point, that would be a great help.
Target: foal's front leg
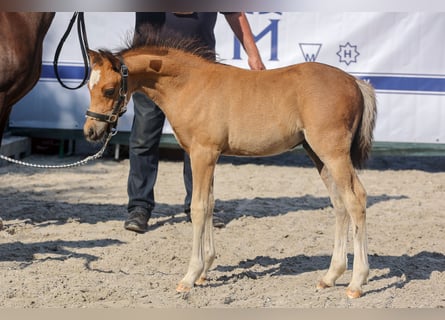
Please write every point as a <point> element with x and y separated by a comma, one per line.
<point>203,164</point>
<point>209,247</point>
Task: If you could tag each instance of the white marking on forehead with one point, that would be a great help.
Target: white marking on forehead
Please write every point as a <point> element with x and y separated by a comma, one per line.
<point>94,78</point>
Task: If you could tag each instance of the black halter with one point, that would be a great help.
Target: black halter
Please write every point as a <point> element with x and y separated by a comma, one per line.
<point>120,107</point>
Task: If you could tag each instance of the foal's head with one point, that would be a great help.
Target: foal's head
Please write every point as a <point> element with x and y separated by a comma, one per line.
<point>107,86</point>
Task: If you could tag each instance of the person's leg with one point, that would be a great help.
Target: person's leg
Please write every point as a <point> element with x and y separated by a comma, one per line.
<point>188,183</point>
<point>144,156</point>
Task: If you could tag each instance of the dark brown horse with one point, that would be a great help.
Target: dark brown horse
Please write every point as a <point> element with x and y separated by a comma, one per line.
<point>218,109</point>
<point>21,39</point>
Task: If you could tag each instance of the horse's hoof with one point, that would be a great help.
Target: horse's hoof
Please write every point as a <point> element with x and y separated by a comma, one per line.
<point>201,281</point>
<point>353,294</point>
<point>182,288</point>
<point>322,285</point>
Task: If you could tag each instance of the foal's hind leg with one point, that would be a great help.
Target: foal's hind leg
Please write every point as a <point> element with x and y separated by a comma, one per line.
<point>339,259</point>
<point>353,195</point>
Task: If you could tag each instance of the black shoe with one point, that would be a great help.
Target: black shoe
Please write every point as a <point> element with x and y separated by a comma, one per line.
<point>137,221</point>
<point>218,222</point>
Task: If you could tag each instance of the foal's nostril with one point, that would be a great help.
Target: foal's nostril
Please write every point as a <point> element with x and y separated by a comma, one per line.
<point>90,133</point>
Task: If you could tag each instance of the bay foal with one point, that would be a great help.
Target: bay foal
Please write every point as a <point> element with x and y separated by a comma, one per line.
<point>218,109</point>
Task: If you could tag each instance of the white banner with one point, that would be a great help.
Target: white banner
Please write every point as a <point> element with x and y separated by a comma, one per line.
<point>401,54</point>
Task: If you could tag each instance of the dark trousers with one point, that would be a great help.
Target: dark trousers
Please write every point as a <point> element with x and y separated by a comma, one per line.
<point>144,155</point>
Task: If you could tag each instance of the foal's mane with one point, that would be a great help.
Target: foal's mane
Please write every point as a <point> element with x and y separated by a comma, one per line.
<point>148,38</point>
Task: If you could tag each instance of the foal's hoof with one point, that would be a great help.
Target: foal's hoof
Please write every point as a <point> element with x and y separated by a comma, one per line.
<point>322,285</point>
<point>182,288</point>
<point>353,294</point>
<point>201,281</point>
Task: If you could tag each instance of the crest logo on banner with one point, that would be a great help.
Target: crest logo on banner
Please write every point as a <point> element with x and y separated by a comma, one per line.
<point>348,53</point>
<point>310,51</point>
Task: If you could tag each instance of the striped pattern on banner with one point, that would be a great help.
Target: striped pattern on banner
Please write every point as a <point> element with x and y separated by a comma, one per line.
<point>384,83</point>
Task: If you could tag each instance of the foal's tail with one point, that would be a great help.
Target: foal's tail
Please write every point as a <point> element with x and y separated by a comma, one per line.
<point>361,146</point>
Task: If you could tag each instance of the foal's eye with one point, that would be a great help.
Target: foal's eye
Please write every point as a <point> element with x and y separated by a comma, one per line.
<point>109,92</point>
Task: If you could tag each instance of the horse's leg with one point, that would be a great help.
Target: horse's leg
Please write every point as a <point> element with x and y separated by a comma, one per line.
<point>4,114</point>
<point>3,118</point>
<point>339,258</point>
<point>353,195</point>
<point>209,247</point>
<point>203,163</point>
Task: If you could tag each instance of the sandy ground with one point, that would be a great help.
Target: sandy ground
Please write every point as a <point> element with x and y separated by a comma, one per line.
<point>63,243</point>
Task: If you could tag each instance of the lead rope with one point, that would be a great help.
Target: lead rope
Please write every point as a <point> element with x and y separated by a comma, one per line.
<point>83,42</point>
<point>63,166</point>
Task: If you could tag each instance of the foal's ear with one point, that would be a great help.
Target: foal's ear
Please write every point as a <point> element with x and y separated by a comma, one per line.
<point>156,65</point>
<point>115,62</point>
<point>103,55</point>
<point>94,56</point>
